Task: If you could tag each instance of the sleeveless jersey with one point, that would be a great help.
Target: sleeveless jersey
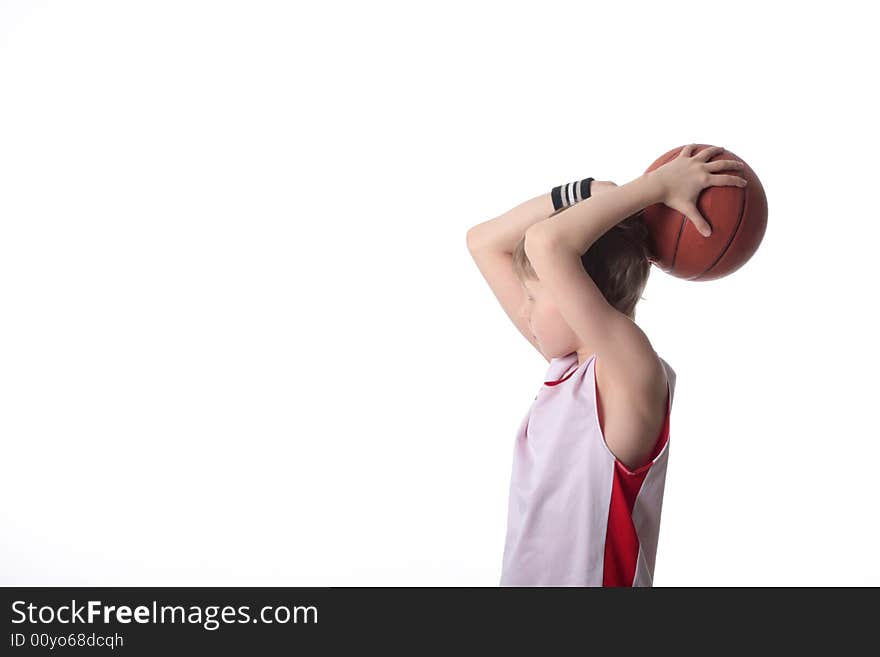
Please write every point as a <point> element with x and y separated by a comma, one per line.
<point>577,516</point>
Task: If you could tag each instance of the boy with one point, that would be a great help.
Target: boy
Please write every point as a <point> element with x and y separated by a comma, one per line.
<point>590,456</point>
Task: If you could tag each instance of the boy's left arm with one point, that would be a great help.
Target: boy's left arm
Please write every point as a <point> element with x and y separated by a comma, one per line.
<point>581,224</point>
<point>554,248</point>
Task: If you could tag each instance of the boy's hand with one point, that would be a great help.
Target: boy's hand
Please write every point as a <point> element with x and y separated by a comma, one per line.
<point>682,179</point>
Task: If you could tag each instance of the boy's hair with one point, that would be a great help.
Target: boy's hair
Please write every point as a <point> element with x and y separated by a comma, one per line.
<point>617,262</point>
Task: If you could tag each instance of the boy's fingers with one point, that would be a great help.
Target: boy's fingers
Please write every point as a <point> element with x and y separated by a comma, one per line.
<point>699,222</point>
<point>724,165</point>
<point>736,181</point>
<point>708,152</point>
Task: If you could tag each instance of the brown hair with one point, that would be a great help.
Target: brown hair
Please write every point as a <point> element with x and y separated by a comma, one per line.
<point>618,262</point>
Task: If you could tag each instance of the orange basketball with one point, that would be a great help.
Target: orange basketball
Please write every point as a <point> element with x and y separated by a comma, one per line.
<point>737,215</point>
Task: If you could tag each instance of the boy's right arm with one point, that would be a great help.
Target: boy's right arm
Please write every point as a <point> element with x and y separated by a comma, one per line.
<point>491,245</point>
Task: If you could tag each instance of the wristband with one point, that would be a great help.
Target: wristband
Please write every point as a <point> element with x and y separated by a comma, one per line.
<point>567,195</point>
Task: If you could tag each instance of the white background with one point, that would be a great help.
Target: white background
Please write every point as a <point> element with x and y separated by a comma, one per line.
<point>242,340</point>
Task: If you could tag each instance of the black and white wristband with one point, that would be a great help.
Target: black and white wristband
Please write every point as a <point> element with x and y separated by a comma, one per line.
<point>567,195</point>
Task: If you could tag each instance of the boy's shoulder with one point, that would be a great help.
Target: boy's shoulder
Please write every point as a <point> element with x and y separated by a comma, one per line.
<point>670,372</point>
<point>628,375</point>
<point>632,414</point>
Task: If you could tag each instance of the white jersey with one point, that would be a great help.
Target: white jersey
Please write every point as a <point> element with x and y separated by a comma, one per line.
<point>577,515</point>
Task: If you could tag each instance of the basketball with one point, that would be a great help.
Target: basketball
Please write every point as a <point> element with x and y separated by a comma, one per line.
<point>737,215</point>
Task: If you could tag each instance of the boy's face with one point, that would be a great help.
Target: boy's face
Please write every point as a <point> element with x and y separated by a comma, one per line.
<point>551,332</point>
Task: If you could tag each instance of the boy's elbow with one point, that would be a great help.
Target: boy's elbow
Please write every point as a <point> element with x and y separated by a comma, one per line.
<point>473,238</point>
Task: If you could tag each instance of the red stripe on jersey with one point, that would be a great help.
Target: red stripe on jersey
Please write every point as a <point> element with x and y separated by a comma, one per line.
<point>621,540</point>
